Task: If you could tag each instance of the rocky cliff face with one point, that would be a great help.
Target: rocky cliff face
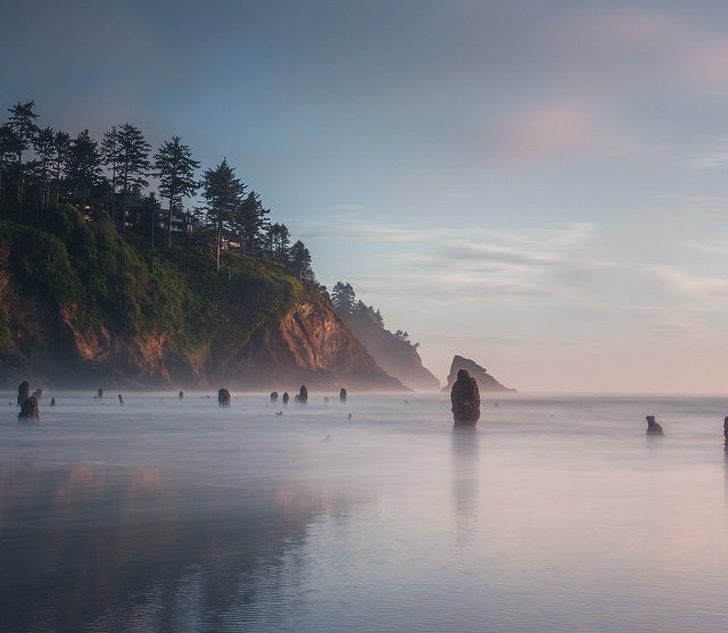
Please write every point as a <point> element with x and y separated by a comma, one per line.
<point>47,345</point>
<point>485,381</point>
<point>397,357</point>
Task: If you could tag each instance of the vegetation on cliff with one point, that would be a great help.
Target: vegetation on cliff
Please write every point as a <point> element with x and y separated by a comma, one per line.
<point>99,282</point>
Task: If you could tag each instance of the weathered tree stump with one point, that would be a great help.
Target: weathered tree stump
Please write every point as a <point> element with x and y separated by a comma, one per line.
<point>653,427</point>
<point>29,411</point>
<point>23,392</point>
<point>223,398</point>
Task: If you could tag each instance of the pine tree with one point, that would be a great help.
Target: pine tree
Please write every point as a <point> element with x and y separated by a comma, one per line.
<point>175,169</point>
<point>223,194</point>
<point>133,163</point>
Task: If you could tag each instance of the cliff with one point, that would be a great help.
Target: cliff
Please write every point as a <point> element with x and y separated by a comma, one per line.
<point>81,307</point>
<point>397,357</point>
<point>486,382</point>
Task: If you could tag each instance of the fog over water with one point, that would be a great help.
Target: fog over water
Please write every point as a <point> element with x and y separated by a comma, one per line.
<point>557,514</point>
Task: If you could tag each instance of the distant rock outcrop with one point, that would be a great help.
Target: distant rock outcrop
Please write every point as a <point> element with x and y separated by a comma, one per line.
<point>485,381</point>
<point>465,400</point>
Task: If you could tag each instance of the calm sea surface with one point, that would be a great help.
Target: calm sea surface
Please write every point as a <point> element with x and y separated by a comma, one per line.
<point>556,515</point>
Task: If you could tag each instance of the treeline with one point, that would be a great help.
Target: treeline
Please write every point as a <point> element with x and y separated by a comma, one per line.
<point>349,309</point>
<point>108,181</point>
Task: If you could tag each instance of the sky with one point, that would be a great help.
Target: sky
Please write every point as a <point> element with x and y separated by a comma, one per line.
<point>538,185</point>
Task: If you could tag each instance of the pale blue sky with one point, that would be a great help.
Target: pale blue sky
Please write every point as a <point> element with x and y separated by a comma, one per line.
<point>541,186</point>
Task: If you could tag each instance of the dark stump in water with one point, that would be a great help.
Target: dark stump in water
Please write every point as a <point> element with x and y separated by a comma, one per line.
<point>223,398</point>
<point>23,392</point>
<point>29,410</point>
<point>653,427</point>
<point>465,400</point>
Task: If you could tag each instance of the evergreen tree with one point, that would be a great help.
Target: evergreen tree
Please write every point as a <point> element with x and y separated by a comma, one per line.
<point>343,299</point>
<point>111,155</point>
<point>299,262</point>
<point>249,223</point>
<point>175,169</point>
<point>279,241</point>
<point>133,163</point>
<point>23,127</point>
<point>223,194</point>
<point>84,167</point>
<point>45,149</point>
<point>62,152</point>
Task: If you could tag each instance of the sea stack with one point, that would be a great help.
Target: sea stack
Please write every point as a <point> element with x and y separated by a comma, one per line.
<point>342,395</point>
<point>274,396</point>
<point>303,395</point>
<point>465,400</point>
<point>653,427</point>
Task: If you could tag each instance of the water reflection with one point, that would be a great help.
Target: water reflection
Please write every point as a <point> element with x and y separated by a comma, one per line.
<point>464,469</point>
<point>95,547</point>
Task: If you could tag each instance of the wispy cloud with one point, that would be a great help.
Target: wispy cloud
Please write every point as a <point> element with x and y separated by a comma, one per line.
<point>690,285</point>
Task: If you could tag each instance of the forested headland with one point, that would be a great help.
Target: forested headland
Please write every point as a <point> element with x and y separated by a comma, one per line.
<point>187,281</point>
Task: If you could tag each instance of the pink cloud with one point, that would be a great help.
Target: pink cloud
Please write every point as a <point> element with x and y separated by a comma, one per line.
<point>555,129</point>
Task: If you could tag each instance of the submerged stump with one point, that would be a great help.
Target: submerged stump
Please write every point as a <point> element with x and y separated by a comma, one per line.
<point>29,411</point>
<point>465,401</point>
<point>653,427</point>
<point>223,398</point>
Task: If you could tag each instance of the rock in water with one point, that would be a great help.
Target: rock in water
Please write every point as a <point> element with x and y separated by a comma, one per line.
<point>274,396</point>
<point>286,397</point>
<point>342,395</point>
<point>303,395</point>
<point>653,427</point>
<point>29,410</point>
<point>223,398</point>
<point>465,400</point>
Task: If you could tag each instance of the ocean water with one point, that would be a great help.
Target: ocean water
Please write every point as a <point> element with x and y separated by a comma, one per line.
<point>556,515</point>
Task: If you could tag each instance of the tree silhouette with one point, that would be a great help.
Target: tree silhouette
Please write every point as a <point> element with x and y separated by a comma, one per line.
<point>249,223</point>
<point>299,262</point>
<point>343,298</point>
<point>84,166</point>
<point>23,127</point>
<point>223,194</point>
<point>111,155</point>
<point>62,143</point>
<point>45,148</point>
<point>175,169</point>
<point>278,241</point>
<point>133,163</point>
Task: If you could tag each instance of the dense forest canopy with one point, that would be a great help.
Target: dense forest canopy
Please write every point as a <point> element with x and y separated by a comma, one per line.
<point>41,169</point>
